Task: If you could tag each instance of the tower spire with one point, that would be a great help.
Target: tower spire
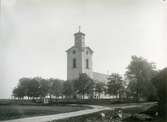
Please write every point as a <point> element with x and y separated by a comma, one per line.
<point>79,28</point>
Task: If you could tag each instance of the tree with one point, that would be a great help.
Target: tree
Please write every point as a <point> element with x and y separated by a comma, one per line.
<point>131,89</point>
<point>33,88</point>
<point>38,87</point>
<point>68,89</point>
<point>18,92</point>
<point>139,73</point>
<point>90,88</point>
<point>23,86</point>
<point>43,87</point>
<point>56,87</point>
<point>99,88</point>
<point>27,87</point>
<point>84,85</point>
<point>160,82</point>
<point>115,84</point>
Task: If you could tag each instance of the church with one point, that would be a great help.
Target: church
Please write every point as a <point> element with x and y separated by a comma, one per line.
<point>79,60</point>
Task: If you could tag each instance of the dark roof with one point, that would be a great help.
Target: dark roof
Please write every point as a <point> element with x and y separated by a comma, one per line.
<point>89,49</point>
<point>100,77</point>
<point>70,48</point>
<point>79,33</point>
<point>75,47</point>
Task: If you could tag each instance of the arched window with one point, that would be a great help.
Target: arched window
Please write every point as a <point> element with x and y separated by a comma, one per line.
<point>73,52</point>
<point>87,63</point>
<point>74,63</point>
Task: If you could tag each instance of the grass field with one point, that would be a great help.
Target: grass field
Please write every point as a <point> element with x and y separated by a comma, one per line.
<point>20,111</point>
<point>95,117</point>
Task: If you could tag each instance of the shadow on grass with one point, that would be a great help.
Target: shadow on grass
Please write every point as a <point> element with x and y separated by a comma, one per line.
<point>8,112</point>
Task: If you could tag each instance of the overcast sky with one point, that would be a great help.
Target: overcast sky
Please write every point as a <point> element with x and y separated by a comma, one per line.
<point>34,35</point>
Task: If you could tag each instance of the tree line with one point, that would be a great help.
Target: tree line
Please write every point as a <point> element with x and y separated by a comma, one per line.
<point>84,86</point>
<point>141,81</point>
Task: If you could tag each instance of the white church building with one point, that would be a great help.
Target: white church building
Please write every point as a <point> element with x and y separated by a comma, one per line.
<point>79,60</point>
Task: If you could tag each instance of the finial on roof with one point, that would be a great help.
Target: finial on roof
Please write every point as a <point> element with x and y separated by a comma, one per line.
<point>79,28</point>
<point>79,31</point>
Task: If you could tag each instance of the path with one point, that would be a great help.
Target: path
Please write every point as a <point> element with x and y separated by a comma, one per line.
<point>95,109</point>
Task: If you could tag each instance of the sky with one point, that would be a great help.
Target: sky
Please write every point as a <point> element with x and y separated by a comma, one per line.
<point>34,35</point>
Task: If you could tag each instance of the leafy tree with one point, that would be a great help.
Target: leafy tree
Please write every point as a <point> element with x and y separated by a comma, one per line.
<point>160,82</point>
<point>23,86</point>
<point>139,74</point>
<point>99,88</point>
<point>38,87</point>
<point>68,89</point>
<point>27,87</point>
<point>90,88</point>
<point>131,89</point>
<point>43,87</point>
<point>18,92</point>
<point>84,85</point>
<point>115,84</point>
<point>50,90</point>
<point>56,87</point>
<point>33,88</point>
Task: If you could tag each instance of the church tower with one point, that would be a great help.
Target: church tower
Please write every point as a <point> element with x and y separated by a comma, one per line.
<point>79,58</point>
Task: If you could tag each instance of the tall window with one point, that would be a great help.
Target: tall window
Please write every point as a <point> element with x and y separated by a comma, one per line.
<point>87,63</point>
<point>73,52</point>
<point>74,63</point>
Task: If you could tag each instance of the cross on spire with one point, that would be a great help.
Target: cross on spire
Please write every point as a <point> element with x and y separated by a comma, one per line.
<point>79,28</point>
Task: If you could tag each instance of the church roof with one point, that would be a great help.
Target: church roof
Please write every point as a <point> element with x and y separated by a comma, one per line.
<point>99,77</point>
<point>79,33</point>
<point>70,48</point>
<point>75,47</point>
<point>90,49</point>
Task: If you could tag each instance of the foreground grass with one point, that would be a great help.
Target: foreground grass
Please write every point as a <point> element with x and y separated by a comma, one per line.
<point>95,117</point>
<point>109,114</point>
<point>8,112</point>
<point>158,119</point>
